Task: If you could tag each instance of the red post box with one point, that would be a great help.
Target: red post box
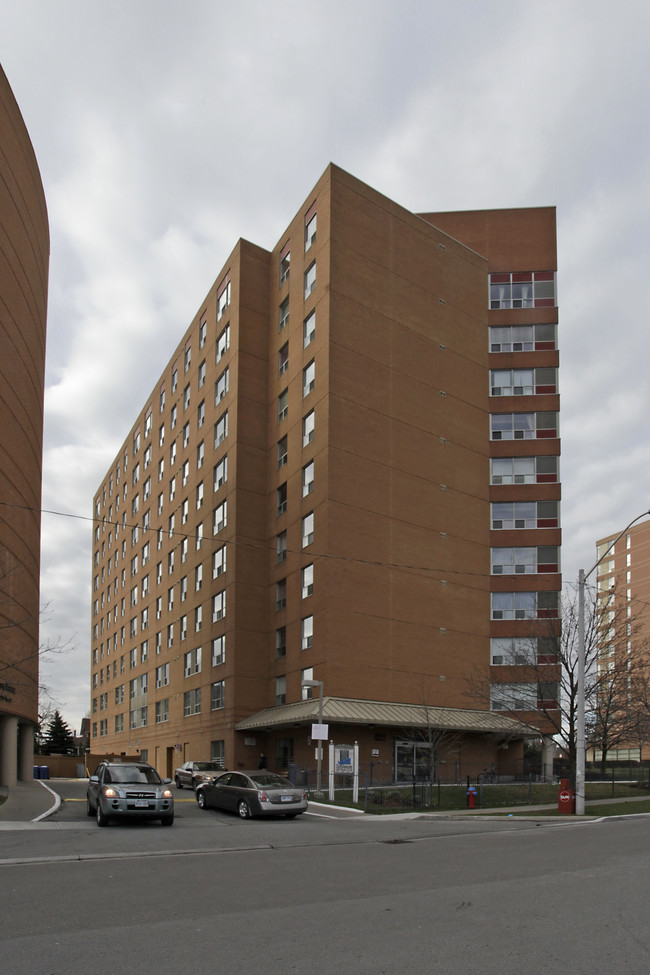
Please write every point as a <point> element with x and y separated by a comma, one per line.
<point>566,800</point>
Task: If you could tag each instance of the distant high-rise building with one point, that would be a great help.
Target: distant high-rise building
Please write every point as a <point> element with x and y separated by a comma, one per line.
<point>623,599</point>
<point>345,482</point>
<point>24,258</point>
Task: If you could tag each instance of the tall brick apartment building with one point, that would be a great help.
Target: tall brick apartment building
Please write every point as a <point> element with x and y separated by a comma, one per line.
<point>347,473</point>
<point>24,260</point>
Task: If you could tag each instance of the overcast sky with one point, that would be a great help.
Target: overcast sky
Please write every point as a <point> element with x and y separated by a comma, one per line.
<point>164,131</point>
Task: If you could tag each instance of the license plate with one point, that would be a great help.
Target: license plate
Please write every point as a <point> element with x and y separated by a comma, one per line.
<point>286,798</point>
<point>142,803</point>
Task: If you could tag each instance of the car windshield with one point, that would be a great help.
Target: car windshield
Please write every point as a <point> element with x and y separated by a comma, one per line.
<point>132,773</point>
<point>266,780</point>
<point>208,767</point>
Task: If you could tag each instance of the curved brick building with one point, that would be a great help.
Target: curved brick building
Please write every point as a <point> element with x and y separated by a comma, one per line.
<point>24,255</point>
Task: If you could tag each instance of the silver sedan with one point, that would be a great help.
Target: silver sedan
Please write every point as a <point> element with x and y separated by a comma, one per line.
<point>253,794</point>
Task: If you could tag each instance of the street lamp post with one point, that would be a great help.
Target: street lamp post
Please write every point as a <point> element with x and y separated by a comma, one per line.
<point>319,760</point>
<point>580,703</point>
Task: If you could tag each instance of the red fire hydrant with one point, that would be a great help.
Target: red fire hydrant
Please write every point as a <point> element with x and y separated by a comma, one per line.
<point>471,797</point>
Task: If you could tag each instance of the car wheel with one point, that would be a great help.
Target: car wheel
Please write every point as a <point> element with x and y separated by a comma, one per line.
<point>167,820</point>
<point>102,820</point>
<point>89,809</point>
<point>243,809</point>
<point>200,798</point>
<point>179,784</point>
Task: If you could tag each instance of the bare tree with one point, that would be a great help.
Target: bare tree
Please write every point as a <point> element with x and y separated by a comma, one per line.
<point>544,663</point>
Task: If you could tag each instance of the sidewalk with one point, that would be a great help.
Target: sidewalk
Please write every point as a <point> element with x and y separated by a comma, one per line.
<point>27,801</point>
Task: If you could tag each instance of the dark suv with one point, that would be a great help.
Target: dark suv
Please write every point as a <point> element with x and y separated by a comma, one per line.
<point>129,789</point>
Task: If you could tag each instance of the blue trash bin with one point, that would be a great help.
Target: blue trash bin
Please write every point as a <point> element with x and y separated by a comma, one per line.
<point>45,772</point>
<point>37,771</point>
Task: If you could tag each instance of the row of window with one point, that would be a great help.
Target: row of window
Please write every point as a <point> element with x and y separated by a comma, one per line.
<point>523,382</point>
<point>525,696</point>
<point>523,338</point>
<point>306,674</point>
<point>191,660</point>
<point>523,560</point>
<point>522,289</point>
<point>311,222</point>
<point>507,515</point>
<point>523,426</point>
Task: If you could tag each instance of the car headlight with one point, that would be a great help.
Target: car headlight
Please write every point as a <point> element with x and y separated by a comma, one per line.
<point>111,793</point>
<point>167,793</point>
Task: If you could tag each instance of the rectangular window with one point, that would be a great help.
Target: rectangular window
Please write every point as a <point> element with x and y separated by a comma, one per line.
<point>309,329</point>
<point>201,376</point>
<point>219,562</point>
<point>310,229</point>
<point>200,455</point>
<point>162,675</point>
<point>198,577</point>
<point>162,711</point>
<point>198,618</point>
<point>199,495</point>
<point>192,702</point>
<point>308,479</point>
<point>281,499</point>
<point>285,263</point>
<point>218,651</point>
<point>308,425</point>
<point>282,452</point>
<point>283,314</point>
<point>281,547</point>
<point>308,529</point>
<point>200,415</point>
<point>307,673</point>
<point>186,397</point>
<point>310,279</point>
<point>281,641</point>
<point>187,361</point>
<point>308,378</point>
<point>307,580</point>
<point>220,473</point>
<point>283,405</point>
<point>217,695</point>
<point>223,343</point>
<point>283,359</point>
<point>219,606</point>
<point>222,386</point>
<point>203,333</point>
<point>219,517</point>
<point>281,594</point>
<point>221,429</point>
<point>223,298</point>
<point>281,690</point>
<point>192,662</point>
<point>307,632</point>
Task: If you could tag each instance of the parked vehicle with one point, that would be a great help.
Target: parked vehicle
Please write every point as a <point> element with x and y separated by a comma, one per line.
<point>192,773</point>
<point>258,793</point>
<point>117,789</point>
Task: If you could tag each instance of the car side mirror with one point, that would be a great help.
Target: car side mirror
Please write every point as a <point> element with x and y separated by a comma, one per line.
<point>94,778</point>
<point>166,781</point>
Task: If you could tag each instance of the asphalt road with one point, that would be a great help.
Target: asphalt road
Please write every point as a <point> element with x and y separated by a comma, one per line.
<point>322,895</point>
